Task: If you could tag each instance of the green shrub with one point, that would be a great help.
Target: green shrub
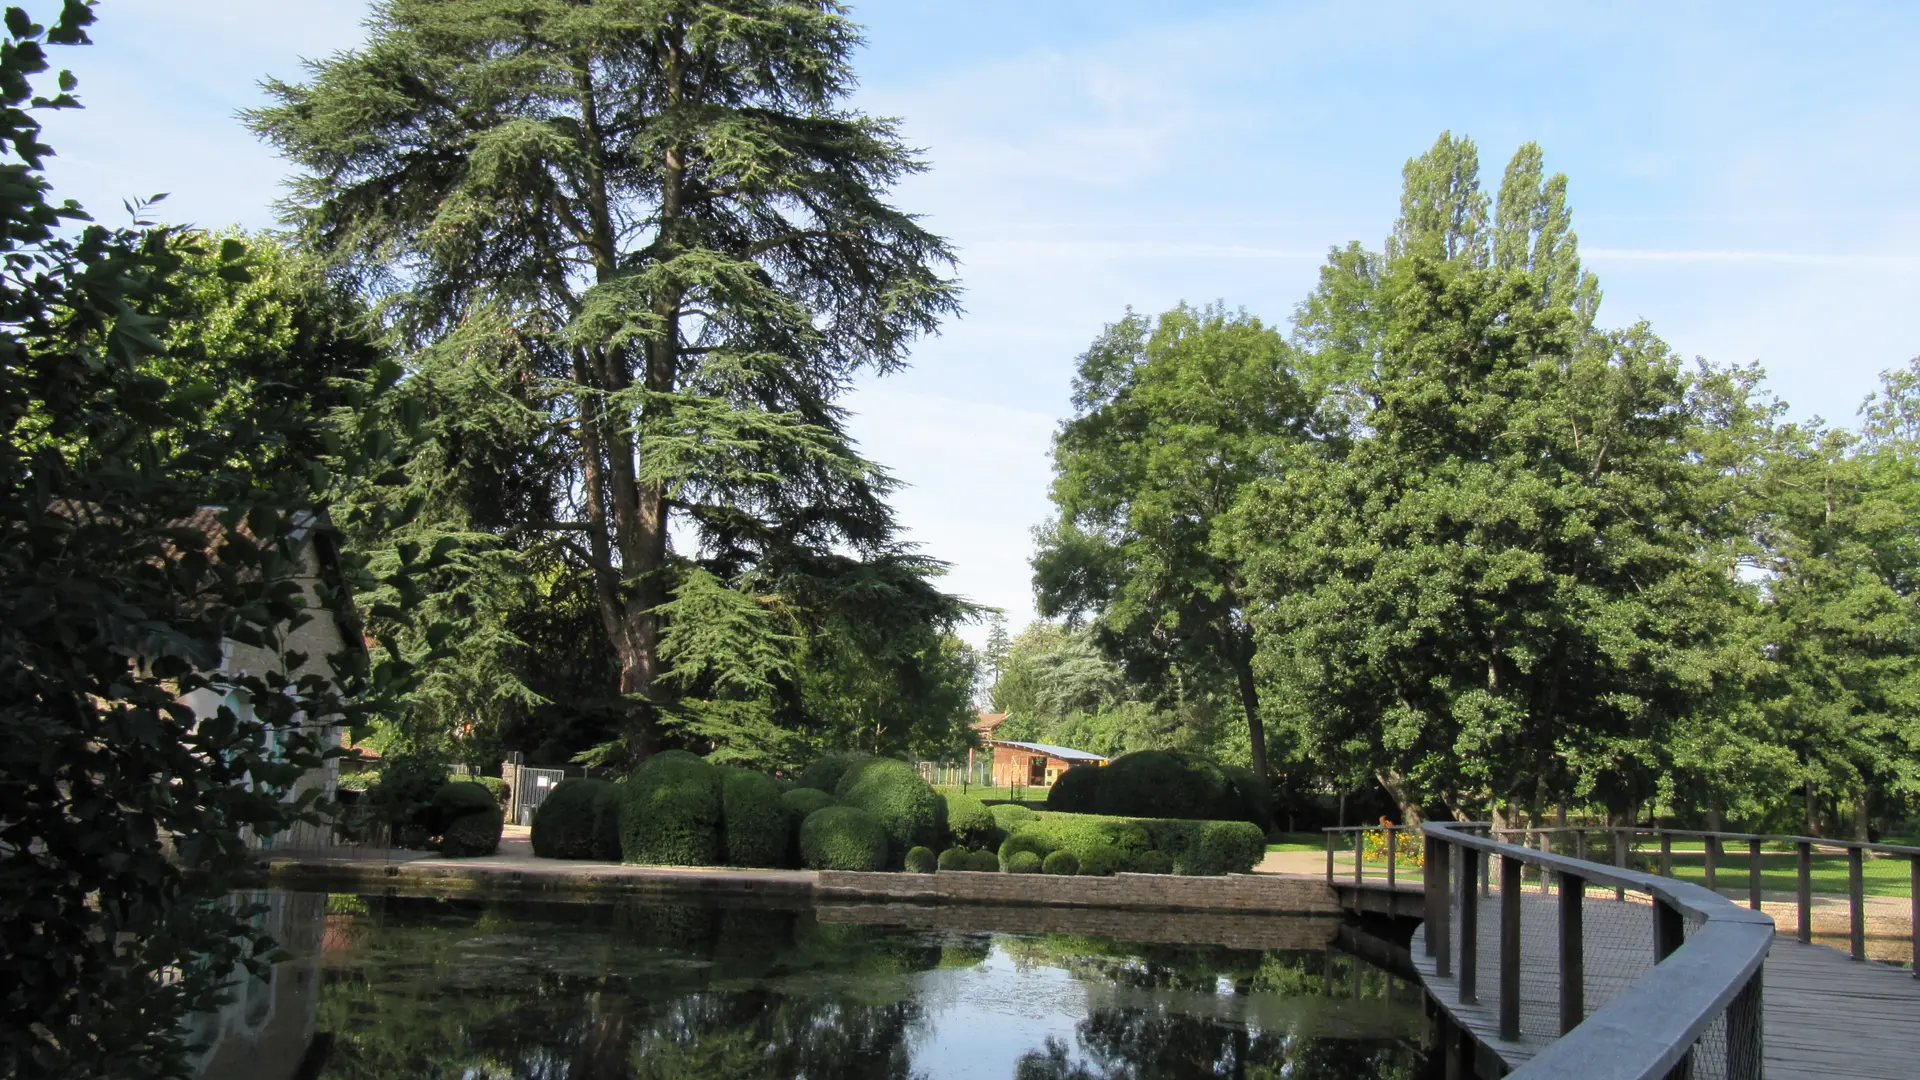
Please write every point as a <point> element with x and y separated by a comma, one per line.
<point>969,823</point>
<point>801,801</point>
<point>754,822</point>
<point>670,812</point>
<point>1008,816</point>
<point>356,781</point>
<point>825,772</point>
<point>403,796</point>
<point>494,785</point>
<point>580,819</point>
<point>954,858</point>
<point>1023,862</point>
<point>1074,792</point>
<point>1100,845</point>
<point>453,800</point>
<point>1256,796</point>
<point>476,833</point>
<point>843,838</point>
<point>1018,842</point>
<point>1151,862</point>
<point>1060,862</point>
<point>892,791</point>
<point>985,862</point>
<point>921,861</point>
<point>1168,784</point>
<point>1227,847</point>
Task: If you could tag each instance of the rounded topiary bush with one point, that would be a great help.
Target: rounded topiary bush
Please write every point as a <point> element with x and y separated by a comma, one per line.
<point>1075,790</point>
<point>843,838</point>
<point>754,821</point>
<point>1023,862</point>
<point>403,796</point>
<point>825,772</point>
<point>1256,797</point>
<point>1019,842</point>
<point>921,861</point>
<point>969,823</point>
<point>477,833</point>
<point>453,800</point>
<point>1167,784</point>
<point>1151,862</point>
<point>801,801</point>
<point>670,812</point>
<point>580,819</point>
<point>1060,862</point>
<point>985,862</point>
<point>892,791</point>
<point>954,858</point>
<point>1226,847</point>
<point>1008,816</point>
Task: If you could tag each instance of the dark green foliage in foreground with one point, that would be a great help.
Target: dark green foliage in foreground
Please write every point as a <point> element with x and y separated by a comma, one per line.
<point>1209,847</point>
<point>954,858</point>
<point>827,769</point>
<point>802,801</point>
<point>1103,845</point>
<point>403,798</point>
<point>1009,816</point>
<point>969,823</point>
<point>843,838</point>
<point>1100,846</point>
<point>671,812</point>
<point>985,862</point>
<point>1023,862</point>
<point>1150,862</point>
<point>1062,863</point>
<point>892,791</point>
<point>921,861</point>
<point>1074,791</point>
<point>494,785</point>
<point>580,819</point>
<point>456,799</point>
<point>756,827</point>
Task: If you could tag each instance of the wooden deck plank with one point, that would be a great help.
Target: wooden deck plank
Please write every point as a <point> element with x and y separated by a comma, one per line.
<point>1824,1014</point>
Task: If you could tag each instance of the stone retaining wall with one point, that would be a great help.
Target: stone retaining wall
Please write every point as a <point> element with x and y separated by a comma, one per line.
<point>1229,929</point>
<point>1260,894</point>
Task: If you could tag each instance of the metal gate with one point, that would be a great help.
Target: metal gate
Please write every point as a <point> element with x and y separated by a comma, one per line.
<point>530,789</point>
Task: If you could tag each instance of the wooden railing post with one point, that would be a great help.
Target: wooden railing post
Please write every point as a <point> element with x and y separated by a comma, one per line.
<point>1573,968</point>
<point>1806,891</point>
<point>1469,926</point>
<point>1619,860</point>
<point>1439,871</point>
<point>1712,846</point>
<point>1430,847</point>
<point>1329,860</point>
<point>1393,855</point>
<point>1913,923</point>
<point>1856,901</point>
<point>1359,855</point>
<point>1509,947</point>
<point>1666,853</point>
<point>1753,874</point>
<point>1669,931</point>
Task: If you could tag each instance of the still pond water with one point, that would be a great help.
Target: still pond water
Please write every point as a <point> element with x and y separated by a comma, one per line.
<point>390,987</point>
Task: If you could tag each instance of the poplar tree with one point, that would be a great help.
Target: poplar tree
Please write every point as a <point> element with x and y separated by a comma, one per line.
<point>666,212</point>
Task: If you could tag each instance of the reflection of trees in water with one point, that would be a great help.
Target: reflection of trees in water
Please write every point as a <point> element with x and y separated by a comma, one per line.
<point>1142,1044</point>
<point>658,992</point>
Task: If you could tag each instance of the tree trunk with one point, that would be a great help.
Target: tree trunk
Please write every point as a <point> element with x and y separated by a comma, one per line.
<point>1813,809</point>
<point>1396,787</point>
<point>1250,702</point>
<point>1861,825</point>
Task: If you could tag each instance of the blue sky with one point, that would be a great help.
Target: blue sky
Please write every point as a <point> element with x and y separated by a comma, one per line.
<point>1742,176</point>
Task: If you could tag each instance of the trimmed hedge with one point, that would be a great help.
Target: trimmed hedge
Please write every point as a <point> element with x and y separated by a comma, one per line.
<point>670,813</point>
<point>954,858</point>
<point>1060,862</point>
<point>1103,845</point>
<point>1008,816</point>
<point>843,838</point>
<point>891,790</point>
<point>454,800</point>
<point>1022,842</point>
<point>969,823</point>
<point>754,822</point>
<point>801,801</point>
<point>825,772</point>
<point>1168,784</point>
<point>472,834</point>
<point>579,819</point>
<point>493,784</point>
<point>921,861</point>
<point>1073,792</point>
<point>1023,862</point>
<point>985,862</point>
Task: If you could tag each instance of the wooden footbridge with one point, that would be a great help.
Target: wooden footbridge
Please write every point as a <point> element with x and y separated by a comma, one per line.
<point>1591,970</point>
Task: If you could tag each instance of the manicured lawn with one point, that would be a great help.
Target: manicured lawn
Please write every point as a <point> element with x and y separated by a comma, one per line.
<point>1296,841</point>
<point>1780,871</point>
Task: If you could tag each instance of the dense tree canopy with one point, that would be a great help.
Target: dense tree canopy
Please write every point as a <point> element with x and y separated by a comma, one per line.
<point>656,227</point>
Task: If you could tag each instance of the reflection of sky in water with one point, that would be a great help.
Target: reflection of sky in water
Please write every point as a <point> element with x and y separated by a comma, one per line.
<point>981,1019</point>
